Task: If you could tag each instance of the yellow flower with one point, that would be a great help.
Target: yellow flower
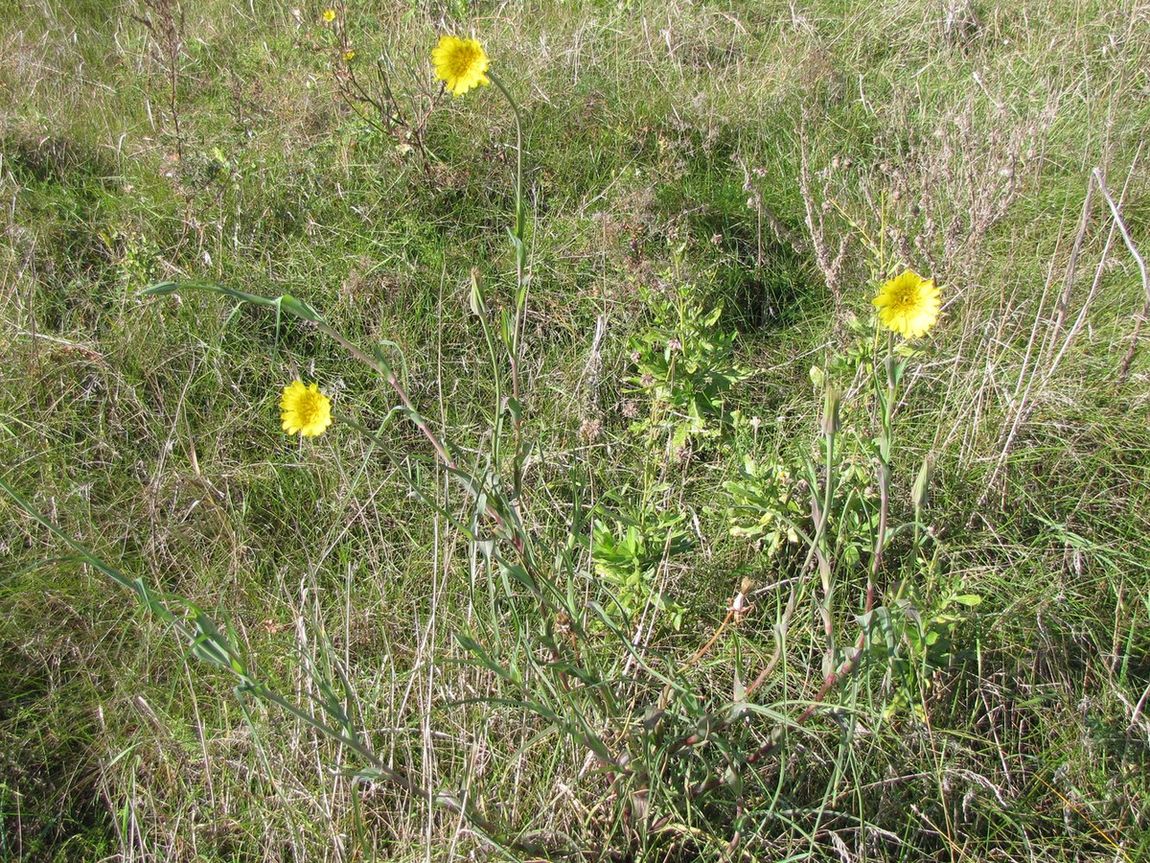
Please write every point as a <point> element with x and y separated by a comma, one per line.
<point>908,304</point>
<point>460,63</point>
<point>348,55</point>
<point>304,409</point>
<point>328,16</point>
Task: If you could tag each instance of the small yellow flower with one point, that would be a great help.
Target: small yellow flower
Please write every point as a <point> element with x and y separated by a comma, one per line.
<point>348,55</point>
<point>460,63</point>
<point>304,409</point>
<point>328,15</point>
<point>908,304</point>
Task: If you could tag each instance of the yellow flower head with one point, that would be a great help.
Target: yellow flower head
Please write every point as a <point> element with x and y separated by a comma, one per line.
<point>328,15</point>
<point>908,304</point>
<point>460,63</point>
<point>304,409</point>
<point>348,55</point>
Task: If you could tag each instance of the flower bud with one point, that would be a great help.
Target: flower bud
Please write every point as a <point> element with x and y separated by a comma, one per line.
<point>831,402</point>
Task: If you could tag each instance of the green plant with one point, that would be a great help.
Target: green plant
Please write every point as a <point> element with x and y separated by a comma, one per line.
<point>628,552</point>
<point>683,367</point>
<point>764,505</point>
<point>913,636</point>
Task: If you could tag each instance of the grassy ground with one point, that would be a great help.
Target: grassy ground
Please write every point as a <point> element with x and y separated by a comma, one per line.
<point>732,147</point>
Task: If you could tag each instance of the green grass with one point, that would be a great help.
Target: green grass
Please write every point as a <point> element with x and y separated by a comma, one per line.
<point>147,427</point>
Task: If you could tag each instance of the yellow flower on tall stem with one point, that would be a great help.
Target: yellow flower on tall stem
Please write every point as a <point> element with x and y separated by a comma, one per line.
<point>328,16</point>
<point>908,304</point>
<point>460,63</point>
<point>304,409</point>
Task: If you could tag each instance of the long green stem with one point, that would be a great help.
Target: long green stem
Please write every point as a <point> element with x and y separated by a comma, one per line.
<point>518,234</point>
<point>520,214</point>
<point>823,552</point>
<point>479,308</point>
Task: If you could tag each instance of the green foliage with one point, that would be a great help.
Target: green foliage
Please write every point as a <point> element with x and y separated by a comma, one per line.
<point>765,505</point>
<point>683,366</point>
<point>914,636</point>
<point>856,514</point>
<point>628,552</point>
